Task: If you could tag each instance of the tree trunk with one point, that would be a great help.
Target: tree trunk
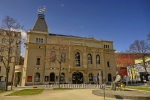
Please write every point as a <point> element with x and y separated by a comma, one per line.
<point>13,72</point>
<point>7,78</point>
<point>7,68</point>
<point>144,65</point>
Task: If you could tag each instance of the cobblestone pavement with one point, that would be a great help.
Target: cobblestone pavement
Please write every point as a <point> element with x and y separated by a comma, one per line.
<point>48,94</point>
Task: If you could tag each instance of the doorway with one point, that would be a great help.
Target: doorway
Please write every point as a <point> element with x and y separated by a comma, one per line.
<point>77,78</point>
<point>52,77</point>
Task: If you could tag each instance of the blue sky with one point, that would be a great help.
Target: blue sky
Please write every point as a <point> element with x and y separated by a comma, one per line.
<point>121,21</point>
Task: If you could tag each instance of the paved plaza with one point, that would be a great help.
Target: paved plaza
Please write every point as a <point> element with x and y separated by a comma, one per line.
<point>77,94</point>
<point>49,94</point>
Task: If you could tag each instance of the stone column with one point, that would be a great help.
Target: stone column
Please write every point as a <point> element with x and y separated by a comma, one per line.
<point>100,77</point>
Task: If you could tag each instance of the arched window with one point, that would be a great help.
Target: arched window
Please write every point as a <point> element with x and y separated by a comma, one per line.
<point>89,59</point>
<point>37,77</point>
<point>62,77</point>
<point>97,59</point>
<point>77,59</point>
<point>63,57</point>
<point>90,77</point>
<point>52,56</point>
<point>38,61</point>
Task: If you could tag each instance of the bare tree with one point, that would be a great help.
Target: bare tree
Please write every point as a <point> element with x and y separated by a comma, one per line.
<point>148,36</point>
<point>10,47</point>
<point>140,48</point>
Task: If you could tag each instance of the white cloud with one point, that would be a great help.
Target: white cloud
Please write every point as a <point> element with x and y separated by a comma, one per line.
<point>117,51</point>
<point>23,34</point>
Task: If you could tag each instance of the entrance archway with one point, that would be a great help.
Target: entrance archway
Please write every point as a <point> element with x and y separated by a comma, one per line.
<point>77,78</point>
<point>52,77</point>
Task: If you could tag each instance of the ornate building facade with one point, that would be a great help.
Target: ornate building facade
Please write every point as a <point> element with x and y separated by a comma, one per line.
<point>75,59</point>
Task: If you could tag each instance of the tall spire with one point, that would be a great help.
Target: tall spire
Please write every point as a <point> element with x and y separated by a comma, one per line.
<point>40,24</point>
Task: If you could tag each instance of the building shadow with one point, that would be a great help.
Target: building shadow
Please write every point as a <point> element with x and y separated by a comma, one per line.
<point>118,97</point>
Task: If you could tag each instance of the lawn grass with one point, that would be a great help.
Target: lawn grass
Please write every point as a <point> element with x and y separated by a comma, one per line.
<point>2,91</point>
<point>140,88</point>
<point>62,89</point>
<point>133,87</point>
<point>26,92</point>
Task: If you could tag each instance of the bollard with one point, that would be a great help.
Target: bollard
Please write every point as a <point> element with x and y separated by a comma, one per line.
<point>103,87</point>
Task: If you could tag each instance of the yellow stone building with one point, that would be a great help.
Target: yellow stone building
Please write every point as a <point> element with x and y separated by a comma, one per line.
<point>140,61</point>
<point>75,59</point>
<point>9,40</point>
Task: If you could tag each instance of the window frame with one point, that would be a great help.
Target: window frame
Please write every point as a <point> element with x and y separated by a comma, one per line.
<point>1,58</point>
<point>77,59</point>
<point>63,57</point>
<point>89,58</point>
<point>97,59</point>
<point>108,64</point>
<point>38,60</point>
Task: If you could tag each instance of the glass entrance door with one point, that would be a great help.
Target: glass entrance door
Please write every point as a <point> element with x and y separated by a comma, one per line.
<point>77,78</point>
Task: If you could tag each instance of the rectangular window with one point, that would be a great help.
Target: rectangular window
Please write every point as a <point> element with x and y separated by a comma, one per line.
<point>29,79</point>
<point>38,61</point>
<point>41,40</point>
<point>1,58</point>
<point>1,49</point>
<point>3,40</point>
<point>0,69</point>
<point>37,40</point>
<point>63,57</point>
<point>52,56</point>
<point>108,65</point>
<point>8,69</point>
